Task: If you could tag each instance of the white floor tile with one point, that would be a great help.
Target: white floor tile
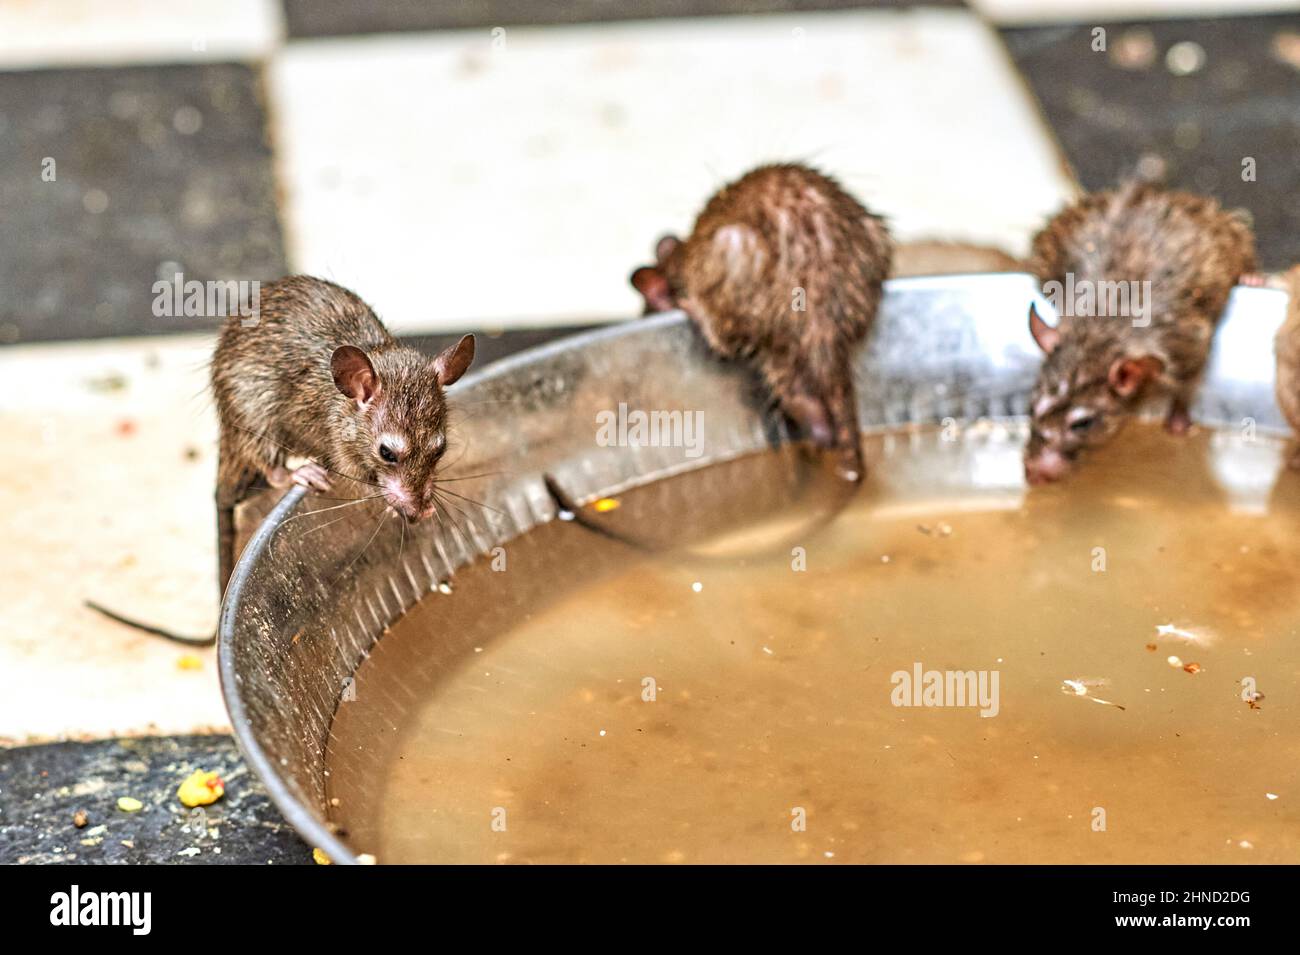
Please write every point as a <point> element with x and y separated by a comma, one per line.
<point>113,503</point>
<point>50,33</point>
<point>455,184</point>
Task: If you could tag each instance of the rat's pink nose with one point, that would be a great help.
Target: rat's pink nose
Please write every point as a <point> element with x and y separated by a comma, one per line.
<point>1045,467</point>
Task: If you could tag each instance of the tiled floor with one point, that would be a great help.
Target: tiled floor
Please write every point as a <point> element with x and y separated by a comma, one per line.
<point>461,184</point>
<point>1240,104</point>
<point>526,189</point>
<point>153,170</point>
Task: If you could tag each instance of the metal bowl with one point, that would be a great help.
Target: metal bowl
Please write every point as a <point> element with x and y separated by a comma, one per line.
<point>303,611</point>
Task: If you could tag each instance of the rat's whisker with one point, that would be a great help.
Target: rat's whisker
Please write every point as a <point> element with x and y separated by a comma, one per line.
<point>378,524</point>
<point>335,507</point>
<point>470,500</point>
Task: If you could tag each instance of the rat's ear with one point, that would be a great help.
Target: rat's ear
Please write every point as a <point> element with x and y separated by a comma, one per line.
<point>452,362</point>
<point>653,286</point>
<point>354,375</point>
<point>666,247</point>
<point>1046,336</point>
<point>1128,375</point>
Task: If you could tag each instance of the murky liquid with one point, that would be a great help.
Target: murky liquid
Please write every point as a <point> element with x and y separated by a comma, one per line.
<point>736,699</point>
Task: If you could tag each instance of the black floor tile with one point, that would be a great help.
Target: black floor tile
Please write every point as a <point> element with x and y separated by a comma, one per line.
<point>153,165</point>
<point>46,786</point>
<point>313,18</point>
<point>1243,102</point>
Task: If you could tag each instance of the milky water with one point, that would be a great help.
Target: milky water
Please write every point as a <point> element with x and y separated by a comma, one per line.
<point>730,687</point>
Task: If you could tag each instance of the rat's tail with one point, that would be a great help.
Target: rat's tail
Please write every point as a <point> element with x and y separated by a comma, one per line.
<point>149,628</point>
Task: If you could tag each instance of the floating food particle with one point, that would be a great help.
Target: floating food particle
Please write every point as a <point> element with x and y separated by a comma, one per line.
<point>697,586</point>
<point>606,504</point>
<point>1152,647</point>
<point>1174,661</point>
<point>1193,667</point>
<point>125,428</point>
<point>1170,630</point>
<point>201,789</point>
<point>128,804</point>
<point>190,662</point>
<point>321,858</point>
<point>1081,688</point>
<point>1270,796</point>
<point>79,819</point>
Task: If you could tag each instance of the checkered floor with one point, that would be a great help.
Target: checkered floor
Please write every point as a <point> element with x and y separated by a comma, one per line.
<point>497,166</point>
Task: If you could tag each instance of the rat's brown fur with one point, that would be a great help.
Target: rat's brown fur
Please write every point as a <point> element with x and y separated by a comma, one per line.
<point>276,397</point>
<point>759,240</point>
<point>1190,250</point>
<point>1287,344</point>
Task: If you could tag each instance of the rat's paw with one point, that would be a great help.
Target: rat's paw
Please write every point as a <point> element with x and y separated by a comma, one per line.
<point>312,476</point>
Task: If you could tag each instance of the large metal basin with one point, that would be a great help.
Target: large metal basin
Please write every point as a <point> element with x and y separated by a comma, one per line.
<point>302,611</point>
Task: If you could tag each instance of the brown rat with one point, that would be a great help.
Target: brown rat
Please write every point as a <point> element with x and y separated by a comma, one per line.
<point>1287,346</point>
<point>318,376</point>
<point>783,268</point>
<point>1185,253</point>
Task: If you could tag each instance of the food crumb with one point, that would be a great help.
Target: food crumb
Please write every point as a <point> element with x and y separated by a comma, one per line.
<point>79,819</point>
<point>1192,668</point>
<point>190,662</point>
<point>320,857</point>
<point>606,504</point>
<point>1174,662</point>
<point>201,789</point>
<point>129,804</point>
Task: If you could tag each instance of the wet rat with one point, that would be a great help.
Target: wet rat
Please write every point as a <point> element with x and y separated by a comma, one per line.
<point>1287,346</point>
<point>318,376</point>
<point>783,269</point>
<point>1181,254</point>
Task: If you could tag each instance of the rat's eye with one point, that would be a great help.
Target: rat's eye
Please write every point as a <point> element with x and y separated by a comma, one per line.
<point>387,454</point>
<point>1080,425</point>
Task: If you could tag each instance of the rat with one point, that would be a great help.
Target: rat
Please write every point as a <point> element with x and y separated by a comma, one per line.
<point>783,268</point>
<point>318,376</point>
<point>1287,346</point>
<point>1174,257</point>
